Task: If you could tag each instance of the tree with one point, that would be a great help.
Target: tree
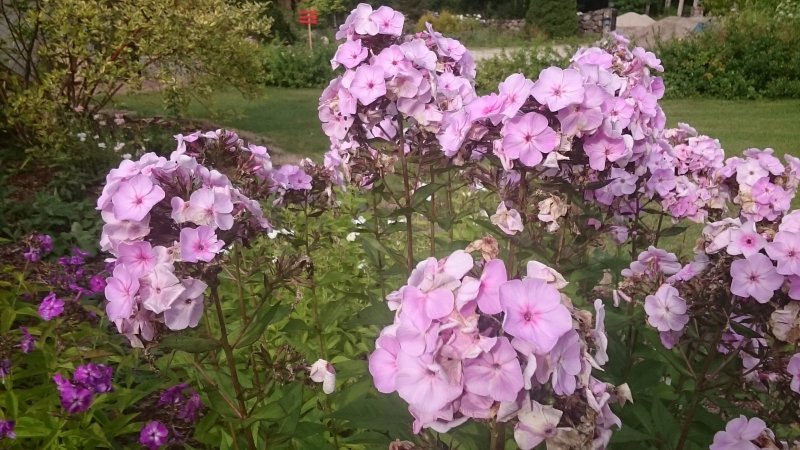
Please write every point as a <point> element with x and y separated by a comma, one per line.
<point>59,58</point>
<point>554,18</point>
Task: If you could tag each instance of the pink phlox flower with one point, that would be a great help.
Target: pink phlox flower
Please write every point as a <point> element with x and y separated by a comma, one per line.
<point>564,360</point>
<point>666,310</point>
<point>527,137</point>
<point>755,277</point>
<point>383,361</point>
<point>120,291</point>
<point>138,257</point>
<point>515,90</point>
<point>161,289</point>
<point>496,374</point>
<point>534,312</point>
<point>419,54</point>
<point>135,198</point>
<point>445,273</point>
<point>323,372</point>
<point>785,250</point>
<point>349,54</point>
<point>423,383</point>
<point>494,274</point>
<point>585,117</point>
<point>187,309</point>
<point>199,244</point>
<point>558,88</point>
<point>651,262</point>
<point>745,240</point>
<point>368,84</point>
<point>599,333</point>
<point>601,148</point>
<point>389,21</point>
<point>739,434</point>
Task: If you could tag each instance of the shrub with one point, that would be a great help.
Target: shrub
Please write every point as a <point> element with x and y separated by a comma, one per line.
<point>527,61</point>
<point>553,18</point>
<point>298,67</point>
<point>447,22</point>
<point>743,57</point>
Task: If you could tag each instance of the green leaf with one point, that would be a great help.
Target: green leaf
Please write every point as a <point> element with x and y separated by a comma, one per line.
<point>673,231</point>
<point>255,329</point>
<point>29,427</point>
<point>189,344</point>
<point>421,195</point>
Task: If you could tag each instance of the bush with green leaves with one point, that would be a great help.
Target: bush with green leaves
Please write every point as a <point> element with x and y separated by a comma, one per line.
<point>528,61</point>
<point>744,56</point>
<point>296,66</point>
<point>553,18</point>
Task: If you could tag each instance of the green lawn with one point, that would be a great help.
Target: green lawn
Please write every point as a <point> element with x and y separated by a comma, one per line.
<point>741,124</point>
<point>288,117</point>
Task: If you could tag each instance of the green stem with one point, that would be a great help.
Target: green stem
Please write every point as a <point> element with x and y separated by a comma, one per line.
<point>407,194</point>
<point>498,436</point>
<point>226,347</point>
<point>699,386</point>
<point>237,252</point>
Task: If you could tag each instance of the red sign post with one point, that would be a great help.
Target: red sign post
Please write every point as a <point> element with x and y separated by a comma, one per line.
<point>309,17</point>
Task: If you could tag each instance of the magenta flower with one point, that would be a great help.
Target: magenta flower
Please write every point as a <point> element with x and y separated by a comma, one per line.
<point>154,435</point>
<point>136,197</point>
<point>785,250</point>
<point>745,240</point>
<point>739,434</point>
<point>496,374</point>
<point>666,310</point>
<point>528,137</point>
<point>558,88</point>
<point>74,399</point>
<point>51,307</point>
<point>137,257</point>
<point>368,84</point>
<point>199,244</point>
<point>793,369</point>
<point>121,290</point>
<point>534,313</point>
<point>755,277</point>
<point>97,283</point>
<point>494,274</point>
<point>424,384</point>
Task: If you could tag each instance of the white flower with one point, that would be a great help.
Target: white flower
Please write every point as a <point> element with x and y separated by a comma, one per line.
<point>323,372</point>
<point>351,236</point>
<point>102,145</point>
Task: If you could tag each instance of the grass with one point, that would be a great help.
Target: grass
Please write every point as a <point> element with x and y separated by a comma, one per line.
<point>741,124</point>
<point>288,117</point>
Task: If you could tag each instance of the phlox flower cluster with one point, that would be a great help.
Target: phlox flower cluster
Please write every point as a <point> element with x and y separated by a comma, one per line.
<point>173,413</point>
<point>77,275</point>
<point>395,89</point>
<point>87,381</point>
<point>7,429</point>
<point>760,184</point>
<point>164,215</point>
<point>595,125</point>
<point>467,343</point>
<point>686,180</point>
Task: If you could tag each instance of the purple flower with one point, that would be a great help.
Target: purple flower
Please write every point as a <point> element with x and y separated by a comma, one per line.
<point>666,310</point>
<point>97,284</point>
<point>739,434</point>
<point>368,84</point>
<point>95,377</point>
<point>5,368</point>
<point>496,374</point>
<point>199,244</point>
<point>558,88</point>
<point>28,342</point>
<point>755,277</point>
<point>74,399</point>
<point>785,250</point>
<point>7,429</point>
<point>51,307</point>
<point>153,435</point>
